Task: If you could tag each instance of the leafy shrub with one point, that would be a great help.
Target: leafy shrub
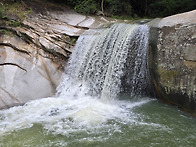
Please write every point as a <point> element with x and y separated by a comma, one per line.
<point>118,7</point>
<point>142,8</point>
<point>170,7</point>
<point>86,6</point>
<point>2,11</point>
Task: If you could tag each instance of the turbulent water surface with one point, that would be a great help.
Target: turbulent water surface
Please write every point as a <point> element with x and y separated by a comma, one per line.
<point>90,122</point>
<point>103,100</point>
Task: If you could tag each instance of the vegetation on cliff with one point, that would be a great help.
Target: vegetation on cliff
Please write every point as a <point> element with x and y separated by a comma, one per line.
<point>13,12</point>
<point>17,9</point>
<point>141,8</point>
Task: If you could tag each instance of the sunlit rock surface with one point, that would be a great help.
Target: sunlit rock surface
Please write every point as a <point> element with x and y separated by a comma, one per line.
<point>173,59</point>
<point>187,18</point>
<point>25,74</point>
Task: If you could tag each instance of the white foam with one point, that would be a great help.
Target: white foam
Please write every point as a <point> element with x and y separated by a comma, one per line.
<point>65,115</point>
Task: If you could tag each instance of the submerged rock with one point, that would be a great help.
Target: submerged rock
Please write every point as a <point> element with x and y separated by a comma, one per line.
<point>173,64</point>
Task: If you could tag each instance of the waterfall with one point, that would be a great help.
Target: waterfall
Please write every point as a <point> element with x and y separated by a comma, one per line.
<point>106,62</point>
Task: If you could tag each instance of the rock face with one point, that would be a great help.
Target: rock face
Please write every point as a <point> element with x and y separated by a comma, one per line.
<point>33,55</point>
<point>173,60</point>
<point>24,73</point>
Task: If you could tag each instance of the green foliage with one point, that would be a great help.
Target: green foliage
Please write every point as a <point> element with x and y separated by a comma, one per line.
<point>118,7</point>
<point>73,39</point>
<point>6,31</point>
<point>86,6</point>
<point>157,8</point>
<point>81,6</point>
<point>3,31</point>
<point>141,8</point>
<point>13,23</point>
<point>13,12</point>
<point>2,11</point>
<point>170,7</point>
<point>112,7</point>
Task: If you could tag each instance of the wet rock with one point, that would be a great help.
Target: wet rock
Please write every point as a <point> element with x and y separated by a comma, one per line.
<point>173,60</point>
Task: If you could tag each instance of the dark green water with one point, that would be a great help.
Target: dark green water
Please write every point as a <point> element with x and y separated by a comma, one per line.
<point>150,124</point>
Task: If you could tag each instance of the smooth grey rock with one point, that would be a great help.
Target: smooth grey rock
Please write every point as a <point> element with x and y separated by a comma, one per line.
<point>183,18</point>
<point>25,77</point>
<point>190,53</point>
<point>69,17</point>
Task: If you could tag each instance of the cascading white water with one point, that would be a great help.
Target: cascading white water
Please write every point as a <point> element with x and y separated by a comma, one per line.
<point>101,62</point>
<point>103,57</point>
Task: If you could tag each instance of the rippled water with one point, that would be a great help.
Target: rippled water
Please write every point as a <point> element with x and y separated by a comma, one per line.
<point>90,122</point>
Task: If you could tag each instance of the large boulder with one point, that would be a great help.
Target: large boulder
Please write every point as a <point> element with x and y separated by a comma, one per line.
<point>173,59</point>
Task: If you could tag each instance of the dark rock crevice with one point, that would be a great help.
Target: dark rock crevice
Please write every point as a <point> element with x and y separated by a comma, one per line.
<point>13,64</point>
<point>15,48</point>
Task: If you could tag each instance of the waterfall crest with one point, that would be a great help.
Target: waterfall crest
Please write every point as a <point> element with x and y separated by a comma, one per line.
<point>108,61</point>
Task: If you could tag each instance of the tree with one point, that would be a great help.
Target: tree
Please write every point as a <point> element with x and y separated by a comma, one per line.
<point>142,8</point>
<point>102,2</point>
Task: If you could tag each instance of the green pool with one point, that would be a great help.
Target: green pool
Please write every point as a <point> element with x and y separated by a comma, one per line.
<point>90,122</point>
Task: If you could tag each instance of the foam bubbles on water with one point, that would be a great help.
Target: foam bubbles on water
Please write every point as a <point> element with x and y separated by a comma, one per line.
<point>65,116</point>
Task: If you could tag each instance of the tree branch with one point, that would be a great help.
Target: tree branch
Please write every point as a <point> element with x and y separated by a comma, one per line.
<point>102,2</point>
